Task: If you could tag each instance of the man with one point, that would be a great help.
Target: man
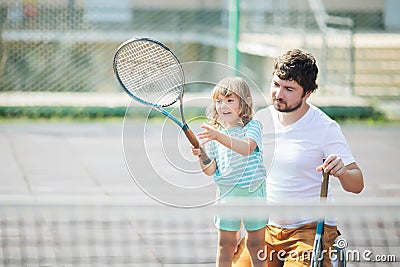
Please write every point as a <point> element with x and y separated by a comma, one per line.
<point>303,136</point>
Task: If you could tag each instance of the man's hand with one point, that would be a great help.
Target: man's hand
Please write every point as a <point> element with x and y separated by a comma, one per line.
<point>350,176</point>
<point>334,166</point>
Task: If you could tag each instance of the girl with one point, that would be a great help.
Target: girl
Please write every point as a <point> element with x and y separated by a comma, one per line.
<point>234,144</point>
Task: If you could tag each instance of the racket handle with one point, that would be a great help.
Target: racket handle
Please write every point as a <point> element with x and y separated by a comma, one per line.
<point>195,142</point>
<point>191,137</point>
<point>325,183</point>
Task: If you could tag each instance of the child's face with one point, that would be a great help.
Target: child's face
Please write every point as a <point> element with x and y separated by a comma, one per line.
<point>228,109</point>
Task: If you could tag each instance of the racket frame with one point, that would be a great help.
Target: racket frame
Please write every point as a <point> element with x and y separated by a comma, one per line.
<point>317,259</point>
<point>160,108</point>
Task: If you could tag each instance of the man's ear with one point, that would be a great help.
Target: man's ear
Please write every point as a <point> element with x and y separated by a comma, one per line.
<point>307,95</point>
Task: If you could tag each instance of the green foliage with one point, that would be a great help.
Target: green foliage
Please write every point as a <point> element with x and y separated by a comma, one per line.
<point>191,113</point>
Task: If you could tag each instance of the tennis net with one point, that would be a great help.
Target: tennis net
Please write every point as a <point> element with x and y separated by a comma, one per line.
<point>103,232</point>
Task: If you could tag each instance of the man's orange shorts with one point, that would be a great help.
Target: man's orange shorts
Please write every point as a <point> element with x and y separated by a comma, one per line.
<point>291,247</point>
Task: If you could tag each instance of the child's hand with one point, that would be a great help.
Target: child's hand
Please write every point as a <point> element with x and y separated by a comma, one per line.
<point>196,151</point>
<point>209,133</point>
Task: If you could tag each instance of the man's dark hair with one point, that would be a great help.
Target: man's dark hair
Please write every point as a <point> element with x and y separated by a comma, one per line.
<point>299,66</point>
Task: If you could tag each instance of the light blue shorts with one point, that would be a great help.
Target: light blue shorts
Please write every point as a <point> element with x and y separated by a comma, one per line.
<point>229,193</point>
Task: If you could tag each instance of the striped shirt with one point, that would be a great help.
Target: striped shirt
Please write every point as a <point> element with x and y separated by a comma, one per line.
<point>236,169</point>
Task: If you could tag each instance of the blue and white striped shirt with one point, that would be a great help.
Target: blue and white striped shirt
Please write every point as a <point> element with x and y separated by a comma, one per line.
<point>233,168</point>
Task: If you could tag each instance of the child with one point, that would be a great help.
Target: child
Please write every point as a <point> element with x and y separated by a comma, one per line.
<point>234,144</point>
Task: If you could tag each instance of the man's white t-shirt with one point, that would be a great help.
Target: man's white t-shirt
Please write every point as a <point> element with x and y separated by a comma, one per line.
<point>297,150</point>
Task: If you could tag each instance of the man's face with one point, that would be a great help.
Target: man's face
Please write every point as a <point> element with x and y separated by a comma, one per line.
<point>286,95</point>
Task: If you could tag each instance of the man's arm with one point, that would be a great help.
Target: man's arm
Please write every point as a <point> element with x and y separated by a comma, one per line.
<point>350,176</point>
<point>352,180</point>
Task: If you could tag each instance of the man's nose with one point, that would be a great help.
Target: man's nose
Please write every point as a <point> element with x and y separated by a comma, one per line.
<point>279,93</point>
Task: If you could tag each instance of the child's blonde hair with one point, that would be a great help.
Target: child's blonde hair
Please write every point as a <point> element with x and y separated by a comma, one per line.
<point>226,87</point>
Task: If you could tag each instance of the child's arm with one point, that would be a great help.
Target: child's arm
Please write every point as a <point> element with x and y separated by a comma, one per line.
<point>241,146</point>
<point>208,169</point>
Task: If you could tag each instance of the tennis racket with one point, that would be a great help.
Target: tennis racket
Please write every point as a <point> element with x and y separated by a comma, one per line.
<point>317,258</point>
<point>152,75</point>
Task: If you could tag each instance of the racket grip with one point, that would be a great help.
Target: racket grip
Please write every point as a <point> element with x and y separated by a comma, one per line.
<point>192,138</point>
<point>325,183</point>
<point>195,142</point>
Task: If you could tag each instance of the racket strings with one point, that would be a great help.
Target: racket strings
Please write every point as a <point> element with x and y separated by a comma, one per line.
<point>150,72</point>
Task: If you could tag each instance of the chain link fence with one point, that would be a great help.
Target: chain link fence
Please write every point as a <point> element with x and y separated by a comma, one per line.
<point>68,45</point>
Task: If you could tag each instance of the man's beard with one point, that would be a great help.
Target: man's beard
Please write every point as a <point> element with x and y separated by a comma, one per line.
<point>288,109</point>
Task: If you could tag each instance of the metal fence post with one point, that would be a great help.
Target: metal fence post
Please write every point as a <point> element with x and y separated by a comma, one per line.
<point>234,29</point>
